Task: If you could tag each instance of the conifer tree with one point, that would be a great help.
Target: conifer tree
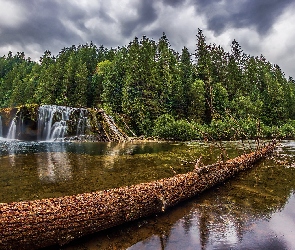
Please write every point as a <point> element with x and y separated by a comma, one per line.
<point>204,73</point>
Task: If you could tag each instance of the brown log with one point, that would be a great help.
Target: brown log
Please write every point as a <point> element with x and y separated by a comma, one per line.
<point>45,222</point>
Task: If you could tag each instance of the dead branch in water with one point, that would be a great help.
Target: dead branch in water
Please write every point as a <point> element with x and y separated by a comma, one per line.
<point>40,223</point>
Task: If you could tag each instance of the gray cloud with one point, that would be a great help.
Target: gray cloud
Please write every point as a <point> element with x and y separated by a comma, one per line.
<point>173,3</point>
<point>41,24</point>
<point>239,14</point>
<point>34,26</point>
<point>146,14</point>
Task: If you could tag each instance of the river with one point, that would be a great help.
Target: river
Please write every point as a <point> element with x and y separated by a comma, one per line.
<point>253,210</point>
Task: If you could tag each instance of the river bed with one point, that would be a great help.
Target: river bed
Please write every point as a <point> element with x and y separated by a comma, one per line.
<point>254,210</point>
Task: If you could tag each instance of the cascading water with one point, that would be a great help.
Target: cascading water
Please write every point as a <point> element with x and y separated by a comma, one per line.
<point>12,130</point>
<point>117,134</point>
<point>1,129</point>
<point>82,122</point>
<point>53,121</point>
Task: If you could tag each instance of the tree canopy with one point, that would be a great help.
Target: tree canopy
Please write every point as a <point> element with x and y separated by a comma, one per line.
<point>147,81</point>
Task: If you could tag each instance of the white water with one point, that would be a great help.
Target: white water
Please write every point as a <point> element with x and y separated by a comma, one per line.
<point>1,129</point>
<point>12,130</point>
<point>112,125</point>
<point>82,122</point>
<point>53,124</point>
<point>53,120</point>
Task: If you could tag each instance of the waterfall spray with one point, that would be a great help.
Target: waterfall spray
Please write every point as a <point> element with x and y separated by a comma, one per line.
<point>53,121</point>
<point>12,130</point>
<point>1,129</point>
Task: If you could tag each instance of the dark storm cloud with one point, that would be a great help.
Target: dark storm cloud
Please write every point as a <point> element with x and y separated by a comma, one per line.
<point>41,25</point>
<point>34,26</point>
<point>260,14</point>
<point>50,23</point>
<point>46,20</point>
<point>146,13</point>
<point>174,3</point>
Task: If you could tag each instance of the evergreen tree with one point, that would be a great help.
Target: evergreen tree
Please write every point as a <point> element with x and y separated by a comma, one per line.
<point>166,63</point>
<point>204,73</point>
<point>138,101</point>
<point>44,93</point>
<point>147,82</point>
<point>21,90</point>
<point>79,98</point>
<point>113,78</point>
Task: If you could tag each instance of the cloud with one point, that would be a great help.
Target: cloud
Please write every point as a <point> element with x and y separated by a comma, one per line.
<point>34,26</point>
<point>177,25</point>
<point>145,14</point>
<point>10,14</point>
<point>224,14</point>
<point>40,24</point>
<point>260,27</point>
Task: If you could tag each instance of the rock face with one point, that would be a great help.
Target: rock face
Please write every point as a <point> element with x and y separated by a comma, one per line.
<point>40,223</point>
<point>51,122</point>
<point>19,123</point>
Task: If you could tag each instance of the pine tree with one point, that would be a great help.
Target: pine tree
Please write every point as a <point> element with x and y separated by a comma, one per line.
<point>204,73</point>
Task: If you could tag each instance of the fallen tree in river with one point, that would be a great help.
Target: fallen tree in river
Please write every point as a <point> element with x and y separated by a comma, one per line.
<point>39,223</point>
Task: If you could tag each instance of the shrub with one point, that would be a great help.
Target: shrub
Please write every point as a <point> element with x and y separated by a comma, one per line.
<point>287,131</point>
<point>249,128</point>
<point>163,126</point>
<point>167,128</point>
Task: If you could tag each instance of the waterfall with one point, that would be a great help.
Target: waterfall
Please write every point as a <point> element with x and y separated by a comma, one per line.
<point>53,121</point>
<point>82,122</point>
<point>117,134</point>
<point>12,130</point>
<point>1,129</point>
<point>60,122</point>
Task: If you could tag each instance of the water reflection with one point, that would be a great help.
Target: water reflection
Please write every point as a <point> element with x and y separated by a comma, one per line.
<point>255,210</point>
<point>31,170</point>
<point>281,224</point>
<point>55,166</point>
<point>191,226</point>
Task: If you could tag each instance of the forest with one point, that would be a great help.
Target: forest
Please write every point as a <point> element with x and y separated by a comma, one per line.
<point>156,91</point>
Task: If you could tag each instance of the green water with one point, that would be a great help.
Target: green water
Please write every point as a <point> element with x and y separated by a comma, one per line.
<point>31,170</point>
<point>253,210</point>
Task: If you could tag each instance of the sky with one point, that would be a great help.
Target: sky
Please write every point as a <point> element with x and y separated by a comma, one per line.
<point>264,27</point>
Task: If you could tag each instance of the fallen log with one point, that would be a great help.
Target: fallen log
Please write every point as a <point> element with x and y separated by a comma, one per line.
<point>45,222</point>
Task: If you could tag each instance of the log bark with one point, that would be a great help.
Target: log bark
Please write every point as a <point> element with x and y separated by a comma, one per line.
<point>45,222</point>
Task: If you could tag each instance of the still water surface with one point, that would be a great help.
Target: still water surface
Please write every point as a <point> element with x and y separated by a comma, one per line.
<point>254,210</point>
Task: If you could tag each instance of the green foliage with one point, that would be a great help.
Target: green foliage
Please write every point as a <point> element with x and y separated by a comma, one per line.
<point>243,107</point>
<point>249,128</point>
<point>287,131</point>
<point>163,126</point>
<point>222,95</point>
<point>231,129</point>
<point>112,75</point>
<point>220,100</point>
<point>196,101</point>
<point>204,73</point>
<point>222,129</point>
<point>168,128</point>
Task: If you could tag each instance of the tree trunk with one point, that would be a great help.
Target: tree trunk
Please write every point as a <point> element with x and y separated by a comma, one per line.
<point>40,223</point>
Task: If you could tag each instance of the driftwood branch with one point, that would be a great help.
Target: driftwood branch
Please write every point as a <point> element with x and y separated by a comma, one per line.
<point>40,223</point>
